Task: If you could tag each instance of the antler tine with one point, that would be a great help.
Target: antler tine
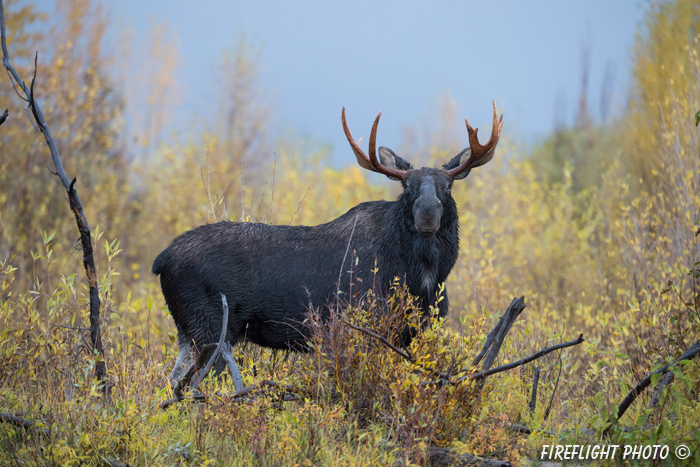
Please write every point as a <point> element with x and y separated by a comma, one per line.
<point>372,162</point>
<point>362,158</point>
<point>373,142</point>
<point>480,154</point>
<point>478,151</point>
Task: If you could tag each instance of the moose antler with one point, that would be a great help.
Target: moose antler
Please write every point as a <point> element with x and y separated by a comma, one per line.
<point>480,155</point>
<point>371,162</point>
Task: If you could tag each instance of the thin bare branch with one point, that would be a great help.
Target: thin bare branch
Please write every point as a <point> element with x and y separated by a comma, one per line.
<point>14,76</point>
<point>690,354</point>
<point>14,86</point>
<point>272,199</point>
<point>347,249</point>
<point>668,379</point>
<point>29,97</point>
<point>30,117</point>
<point>535,356</point>
<point>445,456</point>
<point>200,397</point>
<point>528,431</point>
<point>113,462</point>
<point>400,352</point>
<point>381,339</point>
<point>495,339</point>
<point>548,410</point>
<point>72,328</point>
<point>299,207</point>
<point>535,382</point>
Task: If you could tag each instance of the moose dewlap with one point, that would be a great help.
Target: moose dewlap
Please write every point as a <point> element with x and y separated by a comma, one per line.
<point>271,274</point>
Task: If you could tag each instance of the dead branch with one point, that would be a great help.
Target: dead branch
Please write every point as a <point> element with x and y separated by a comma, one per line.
<point>209,354</point>
<point>495,338</point>
<point>238,395</point>
<point>17,421</point>
<point>113,462</point>
<point>535,356</point>
<point>21,422</point>
<point>382,339</point>
<point>520,429</point>
<point>227,356</point>
<point>400,352</point>
<point>535,382</point>
<point>547,411</point>
<point>492,346</point>
<point>4,115</point>
<point>555,434</point>
<point>443,457</point>
<point>75,205</point>
<point>689,354</point>
<point>668,379</point>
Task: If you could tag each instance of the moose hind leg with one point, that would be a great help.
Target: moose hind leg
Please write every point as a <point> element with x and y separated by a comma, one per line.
<point>184,362</point>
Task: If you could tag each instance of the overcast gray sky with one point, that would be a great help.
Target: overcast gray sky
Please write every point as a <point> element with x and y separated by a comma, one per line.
<point>399,57</point>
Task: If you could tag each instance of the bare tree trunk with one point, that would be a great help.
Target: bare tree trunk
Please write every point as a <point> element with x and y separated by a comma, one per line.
<point>27,95</point>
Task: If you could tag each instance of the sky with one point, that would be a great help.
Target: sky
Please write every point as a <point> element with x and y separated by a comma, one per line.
<point>399,57</point>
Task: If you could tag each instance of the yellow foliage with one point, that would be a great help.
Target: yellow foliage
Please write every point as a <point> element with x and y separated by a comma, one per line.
<point>592,248</point>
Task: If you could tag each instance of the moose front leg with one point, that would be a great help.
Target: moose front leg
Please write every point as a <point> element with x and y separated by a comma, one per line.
<point>443,305</point>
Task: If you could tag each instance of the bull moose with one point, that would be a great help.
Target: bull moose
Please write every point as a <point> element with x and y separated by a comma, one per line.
<point>271,273</point>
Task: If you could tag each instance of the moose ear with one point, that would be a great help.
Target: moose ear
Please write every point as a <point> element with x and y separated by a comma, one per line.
<point>389,159</point>
<point>457,161</point>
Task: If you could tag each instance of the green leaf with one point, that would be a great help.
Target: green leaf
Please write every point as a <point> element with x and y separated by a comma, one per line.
<point>599,399</point>
<point>697,118</point>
